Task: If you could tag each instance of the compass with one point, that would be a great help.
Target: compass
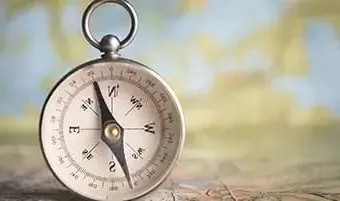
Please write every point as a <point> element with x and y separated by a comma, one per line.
<point>111,128</point>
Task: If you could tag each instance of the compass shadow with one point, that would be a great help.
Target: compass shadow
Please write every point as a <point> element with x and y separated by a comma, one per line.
<point>10,191</point>
<point>46,194</point>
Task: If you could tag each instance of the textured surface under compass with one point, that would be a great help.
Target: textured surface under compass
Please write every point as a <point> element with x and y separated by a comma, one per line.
<point>197,180</point>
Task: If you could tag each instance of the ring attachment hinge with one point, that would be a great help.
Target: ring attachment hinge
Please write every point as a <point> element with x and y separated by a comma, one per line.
<point>110,45</point>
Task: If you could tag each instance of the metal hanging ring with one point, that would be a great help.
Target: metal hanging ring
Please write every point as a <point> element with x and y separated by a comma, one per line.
<point>93,6</point>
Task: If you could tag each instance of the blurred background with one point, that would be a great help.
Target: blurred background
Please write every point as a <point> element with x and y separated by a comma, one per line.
<point>258,80</point>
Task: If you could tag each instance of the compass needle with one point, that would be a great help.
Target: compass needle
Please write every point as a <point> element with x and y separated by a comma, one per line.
<point>112,133</point>
<point>111,128</point>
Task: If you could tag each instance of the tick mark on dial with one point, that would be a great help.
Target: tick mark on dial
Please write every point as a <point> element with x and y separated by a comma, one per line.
<point>147,170</point>
<point>163,110</point>
<point>128,112</point>
<point>67,155</point>
<point>153,162</point>
<point>68,93</point>
<point>111,73</point>
<point>111,105</point>
<point>165,128</point>
<point>134,129</point>
<point>90,129</point>
<point>77,171</point>
<point>164,147</point>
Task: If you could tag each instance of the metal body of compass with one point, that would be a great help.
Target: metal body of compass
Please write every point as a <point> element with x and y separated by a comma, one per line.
<point>111,129</point>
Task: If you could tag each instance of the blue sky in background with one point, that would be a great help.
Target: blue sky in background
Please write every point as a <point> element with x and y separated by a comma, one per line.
<point>228,21</point>
<point>25,69</point>
<point>321,84</point>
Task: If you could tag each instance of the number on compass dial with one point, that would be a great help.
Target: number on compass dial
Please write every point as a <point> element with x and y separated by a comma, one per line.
<point>110,130</point>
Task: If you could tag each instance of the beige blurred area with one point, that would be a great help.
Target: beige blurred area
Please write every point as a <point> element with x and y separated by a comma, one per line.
<point>258,80</point>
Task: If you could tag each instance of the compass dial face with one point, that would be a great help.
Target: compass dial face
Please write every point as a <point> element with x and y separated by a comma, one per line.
<point>71,130</point>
